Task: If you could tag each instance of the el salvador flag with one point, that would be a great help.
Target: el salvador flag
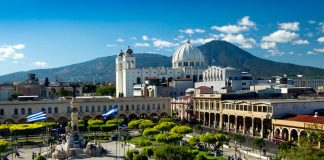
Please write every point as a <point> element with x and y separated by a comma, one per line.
<point>112,112</point>
<point>37,116</point>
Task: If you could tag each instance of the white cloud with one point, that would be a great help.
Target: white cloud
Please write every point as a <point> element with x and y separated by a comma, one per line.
<point>10,52</point>
<point>142,45</point>
<point>240,40</point>
<point>268,45</point>
<point>111,45</point>
<point>320,50</point>
<point>145,38</point>
<point>229,29</point>
<point>293,26</point>
<point>41,64</point>
<point>311,22</point>
<point>19,46</point>
<point>280,36</point>
<point>321,39</point>
<point>120,40</point>
<point>275,52</point>
<point>301,41</point>
<point>311,53</point>
<point>245,21</point>
<point>161,43</point>
<point>321,24</point>
<point>192,31</point>
<point>201,40</point>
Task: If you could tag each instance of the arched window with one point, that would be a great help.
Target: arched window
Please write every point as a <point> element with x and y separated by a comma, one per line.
<point>87,108</point>
<point>56,110</point>
<point>30,111</point>
<point>138,80</point>
<point>49,110</point>
<point>133,107</point>
<point>1,111</point>
<point>93,109</point>
<point>187,76</point>
<point>23,111</point>
<point>200,77</point>
<point>16,111</point>
<point>194,78</point>
<point>163,79</point>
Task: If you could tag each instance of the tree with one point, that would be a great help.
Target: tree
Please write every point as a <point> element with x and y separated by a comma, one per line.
<point>105,91</point>
<point>198,128</point>
<point>162,138</point>
<point>150,132</point>
<point>131,153</point>
<point>165,126</point>
<point>208,139</point>
<point>89,88</point>
<point>46,83</point>
<point>221,139</point>
<point>181,130</point>
<point>239,138</point>
<point>3,145</point>
<point>140,157</point>
<point>193,141</point>
<point>174,138</point>
<point>258,143</point>
<point>168,152</point>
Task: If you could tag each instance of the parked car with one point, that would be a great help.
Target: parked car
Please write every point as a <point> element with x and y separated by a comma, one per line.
<point>277,140</point>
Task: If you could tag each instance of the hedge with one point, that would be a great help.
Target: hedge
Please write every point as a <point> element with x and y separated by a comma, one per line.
<point>3,145</point>
<point>130,153</point>
<point>95,122</point>
<point>26,129</point>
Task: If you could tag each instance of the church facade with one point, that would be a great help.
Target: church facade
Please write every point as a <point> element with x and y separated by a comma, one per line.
<point>187,62</point>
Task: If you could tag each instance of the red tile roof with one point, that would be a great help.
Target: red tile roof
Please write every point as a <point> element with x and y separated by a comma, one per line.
<point>307,118</point>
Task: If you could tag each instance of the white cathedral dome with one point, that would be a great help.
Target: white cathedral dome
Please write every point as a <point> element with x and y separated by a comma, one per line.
<point>188,55</point>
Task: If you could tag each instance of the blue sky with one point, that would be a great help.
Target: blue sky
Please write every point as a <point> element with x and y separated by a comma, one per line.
<point>45,34</point>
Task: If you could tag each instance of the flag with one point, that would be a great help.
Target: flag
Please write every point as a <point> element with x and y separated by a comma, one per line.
<point>111,112</point>
<point>37,116</point>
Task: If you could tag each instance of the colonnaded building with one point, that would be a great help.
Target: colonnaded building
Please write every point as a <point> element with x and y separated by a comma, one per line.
<point>89,108</point>
<point>187,62</point>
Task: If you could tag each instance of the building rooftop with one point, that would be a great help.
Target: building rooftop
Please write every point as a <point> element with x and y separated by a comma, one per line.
<point>307,118</point>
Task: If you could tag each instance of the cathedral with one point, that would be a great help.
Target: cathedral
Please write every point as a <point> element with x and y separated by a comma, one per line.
<point>188,62</point>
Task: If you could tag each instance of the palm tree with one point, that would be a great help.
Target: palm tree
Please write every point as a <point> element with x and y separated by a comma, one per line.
<point>239,138</point>
<point>258,143</point>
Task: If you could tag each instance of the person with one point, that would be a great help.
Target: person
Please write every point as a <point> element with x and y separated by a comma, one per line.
<point>33,156</point>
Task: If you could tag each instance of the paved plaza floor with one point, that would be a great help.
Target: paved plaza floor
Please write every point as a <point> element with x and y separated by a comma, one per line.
<point>26,153</point>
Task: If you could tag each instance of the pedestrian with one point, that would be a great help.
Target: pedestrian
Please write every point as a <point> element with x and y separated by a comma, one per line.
<point>33,155</point>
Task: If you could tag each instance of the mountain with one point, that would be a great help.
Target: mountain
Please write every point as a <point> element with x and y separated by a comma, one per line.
<point>220,53</point>
<point>99,69</point>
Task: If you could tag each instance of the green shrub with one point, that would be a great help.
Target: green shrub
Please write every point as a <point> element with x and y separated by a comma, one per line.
<point>130,153</point>
<point>26,129</point>
<point>140,157</point>
<point>95,122</point>
<point>148,150</point>
<point>40,158</point>
<point>94,128</point>
<point>113,121</point>
<point>108,127</point>
<point>3,145</point>
<point>166,120</point>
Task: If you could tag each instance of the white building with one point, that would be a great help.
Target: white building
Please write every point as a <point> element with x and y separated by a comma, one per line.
<point>224,80</point>
<point>187,62</point>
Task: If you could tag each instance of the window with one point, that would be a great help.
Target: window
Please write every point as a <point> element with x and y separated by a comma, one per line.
<point>185,63</point>
<point>270,109</point>
<point>245,107</point>
<point>55,110</point>
<point>255,109</point>
<point>23,111</point>
<point>104,108</point>
<point>259,108</point>
<point>30,111</point>
<point>138,107</point>
<point>206,105</point>
<point>68,109</point>
<point>127,107</point>
<point>110,107</point>
<point>81,108</point>
<point>158,106</point>
<point>121,107</point>
<point>133,107</point>
<point>1,111</point>
<point>93,109</point>
<point>163,106</point>
<point>143,107</point>
<point>153,106</point>
<point>98,109</point>
<point>237,107</point>
<point>148,107</point>
<point>264,108</point>
<point>49,110</point>
<point>87,109</point>
<point>16,111</point>
<point>212,106</point>
<point>249,108</point>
